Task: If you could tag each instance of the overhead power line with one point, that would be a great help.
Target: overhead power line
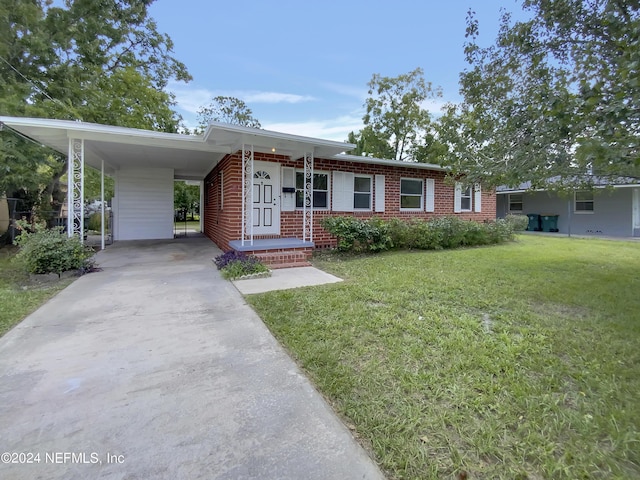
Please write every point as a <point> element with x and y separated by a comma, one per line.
<point>40,89</point>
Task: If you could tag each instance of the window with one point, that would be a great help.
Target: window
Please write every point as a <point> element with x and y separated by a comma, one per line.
<point>411,190</point>
<point>465,199</point>
<point>362,192</point>
<point>583,202</point>
<point>515,203</point>
<point>320,190</point>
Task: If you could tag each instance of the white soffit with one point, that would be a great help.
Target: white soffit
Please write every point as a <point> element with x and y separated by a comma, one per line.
<point>268,141</point>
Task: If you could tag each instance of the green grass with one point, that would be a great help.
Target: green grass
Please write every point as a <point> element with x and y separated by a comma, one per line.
<point>20,294</point>
<point>520,361</point>
<point>190,225</point>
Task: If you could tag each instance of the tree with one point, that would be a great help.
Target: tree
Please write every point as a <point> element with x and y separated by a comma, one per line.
<point>396,121</point>
<point>102,62</point>
<point>186,199</point>
<point>228,110</point>
<point>555,98</point>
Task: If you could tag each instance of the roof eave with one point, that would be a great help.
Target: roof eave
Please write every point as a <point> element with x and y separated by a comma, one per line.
<point>391,163</point>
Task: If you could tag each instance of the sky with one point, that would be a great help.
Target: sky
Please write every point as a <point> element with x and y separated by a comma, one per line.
<point>303,66</point>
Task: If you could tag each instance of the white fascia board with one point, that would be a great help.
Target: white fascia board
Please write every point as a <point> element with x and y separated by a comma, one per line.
<point>506,192</point>
<point>392,163</point>
<point>110,133</point>
<point>79,127</point>
<point>250,135</point>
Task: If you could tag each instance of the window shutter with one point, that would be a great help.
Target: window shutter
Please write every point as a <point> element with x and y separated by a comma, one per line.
<point>342,192</point>
<point>477,200</point>
<point>457,198</point>
<point>379,193</point>
<point>288,203</point>
<point>430,203</point>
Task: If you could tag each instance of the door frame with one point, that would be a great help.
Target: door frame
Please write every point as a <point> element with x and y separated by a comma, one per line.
<point>273,169</point>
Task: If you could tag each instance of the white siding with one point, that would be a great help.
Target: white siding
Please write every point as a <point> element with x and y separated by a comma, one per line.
<point>143,204</point>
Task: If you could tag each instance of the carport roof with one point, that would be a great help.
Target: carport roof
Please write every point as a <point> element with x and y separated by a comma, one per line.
<point>191,156</point>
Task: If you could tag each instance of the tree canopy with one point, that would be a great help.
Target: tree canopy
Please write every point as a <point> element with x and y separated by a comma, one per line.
<point>396,120</point>
<point>102,62</point>
<point>228,110</point>
<point>186,199</point>
<point>556,97</point>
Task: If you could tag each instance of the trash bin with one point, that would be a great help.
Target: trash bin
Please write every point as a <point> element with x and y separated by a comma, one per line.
<point>534,222</point>
<point>549,223</point>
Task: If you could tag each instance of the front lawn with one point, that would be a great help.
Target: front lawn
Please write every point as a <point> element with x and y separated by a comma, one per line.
<point>520,361</point>
<point>21,294</point>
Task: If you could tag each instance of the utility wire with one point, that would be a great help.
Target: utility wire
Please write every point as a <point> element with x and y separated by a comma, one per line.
<point>41,89</point>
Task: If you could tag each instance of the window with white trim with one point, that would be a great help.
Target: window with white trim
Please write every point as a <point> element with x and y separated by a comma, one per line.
<point>583,202</point>
<point>411,194</point>
<point>362,192</point>
<point>320,188</point>
<point>467,198</point>
<point>515,202</point>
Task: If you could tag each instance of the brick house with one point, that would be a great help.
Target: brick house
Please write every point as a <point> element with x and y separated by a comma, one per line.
<point>263,192</point>
<point>257,200</point>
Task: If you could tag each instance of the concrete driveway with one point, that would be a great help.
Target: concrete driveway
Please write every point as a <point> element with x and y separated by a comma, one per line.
<point>156,368</point>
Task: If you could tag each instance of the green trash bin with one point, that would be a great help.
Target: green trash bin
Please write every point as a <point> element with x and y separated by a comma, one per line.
<point>549,223</point>
<point>534,222</point>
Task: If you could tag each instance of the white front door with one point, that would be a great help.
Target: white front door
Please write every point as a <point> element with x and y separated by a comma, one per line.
<point>266,198</point>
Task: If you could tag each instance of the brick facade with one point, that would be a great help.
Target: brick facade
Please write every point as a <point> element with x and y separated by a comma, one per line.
<point>223,216</point>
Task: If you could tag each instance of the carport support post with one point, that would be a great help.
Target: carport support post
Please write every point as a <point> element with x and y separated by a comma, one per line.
<point>307,205</point>
<point>75,188</point>
<point>102,205</point>
<point>247,193</point>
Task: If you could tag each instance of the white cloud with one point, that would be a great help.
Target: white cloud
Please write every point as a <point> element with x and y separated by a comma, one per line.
<point>336,129</point>
<point>359,93</point>
<point>271,97</point>
<point>191,98</point>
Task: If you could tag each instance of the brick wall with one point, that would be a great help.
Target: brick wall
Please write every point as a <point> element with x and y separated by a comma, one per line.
<point>224,224</point>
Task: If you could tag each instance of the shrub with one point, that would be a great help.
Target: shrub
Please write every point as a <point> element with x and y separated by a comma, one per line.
<point>45,250</point>
<point>95,222</point>
<point>234,265</point>
<point>356,235</point>
<point>518,223</point>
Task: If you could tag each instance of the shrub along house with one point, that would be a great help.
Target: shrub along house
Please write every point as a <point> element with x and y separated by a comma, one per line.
<point>262,192</point>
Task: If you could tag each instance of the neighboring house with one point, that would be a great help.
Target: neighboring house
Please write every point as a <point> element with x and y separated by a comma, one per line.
<point>263,192</point>
<point>607,210</point>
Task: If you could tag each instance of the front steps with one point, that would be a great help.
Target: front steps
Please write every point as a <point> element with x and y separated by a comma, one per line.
<point>277,252</point>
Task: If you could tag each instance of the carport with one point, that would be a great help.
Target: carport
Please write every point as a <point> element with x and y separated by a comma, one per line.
<point>143,163</point>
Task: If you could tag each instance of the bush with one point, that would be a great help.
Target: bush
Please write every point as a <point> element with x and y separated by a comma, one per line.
<point>234,265</point>
<point>518,223</point>
<point>45,250</point>
<point>356,235</point>
<point>95,222</point>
